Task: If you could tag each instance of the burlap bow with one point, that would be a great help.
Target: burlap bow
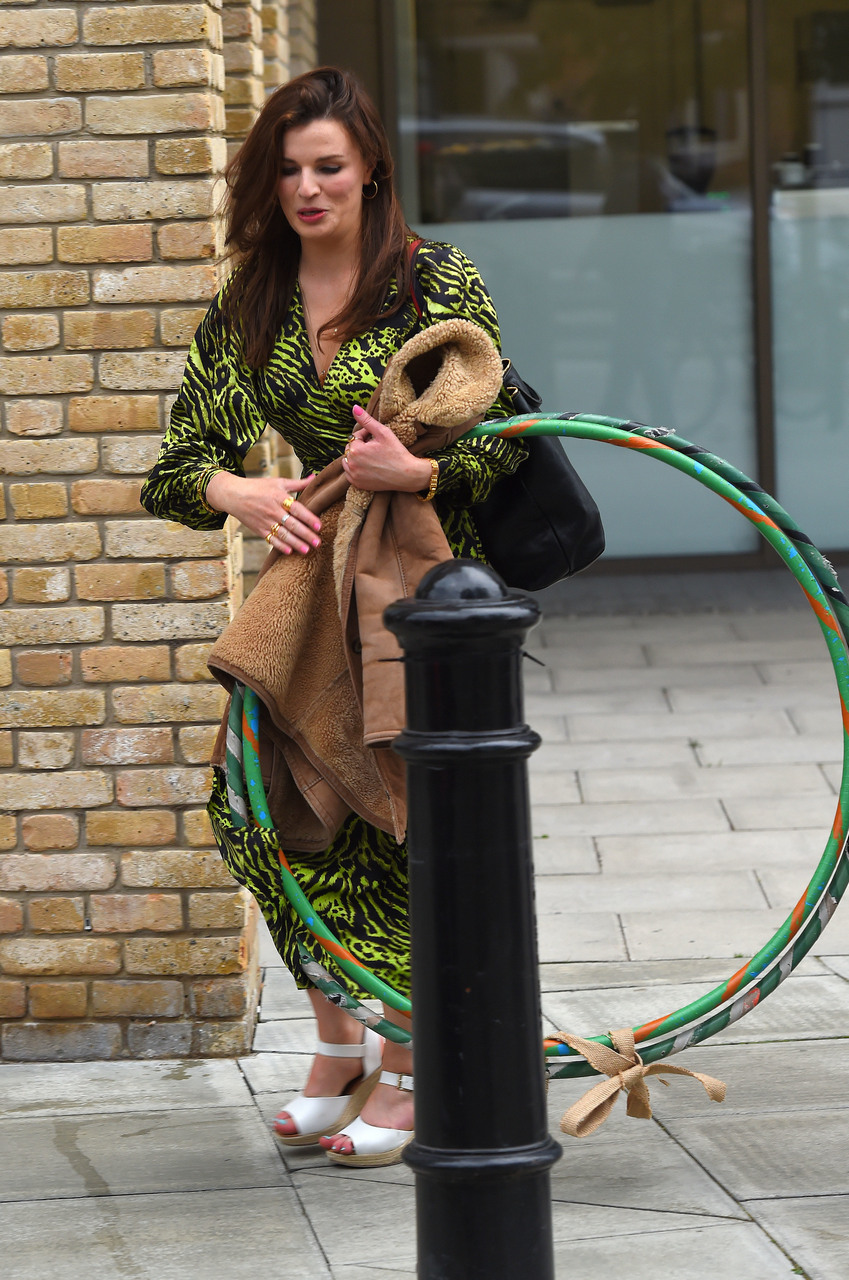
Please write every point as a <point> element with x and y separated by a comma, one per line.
<point>626,1070</point>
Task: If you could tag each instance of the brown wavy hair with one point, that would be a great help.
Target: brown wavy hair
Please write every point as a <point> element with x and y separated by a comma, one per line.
<point>266,247</point>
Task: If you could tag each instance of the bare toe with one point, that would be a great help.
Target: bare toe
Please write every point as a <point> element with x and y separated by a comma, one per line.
<point>285,1124</point>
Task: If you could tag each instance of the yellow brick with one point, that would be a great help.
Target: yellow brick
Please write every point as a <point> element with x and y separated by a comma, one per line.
<point>39,502</point>
<point>6,756</point>
<point>174,869</point>
<point>178,327</point>
<point>9,834</point>
<point>4,583</point>
<point>190,662</point>
<point>243,56</point>
<point>30,332</point>
<point>156,284</point>
<point>216,911</point>
<point>243,91</point>
<point>145,999</point>
<point>34,417</point>
<point>115,663</point>
<point>11,916</point>
<point>52,626</point>
<point>13,999</point>
<point>5,667</point>
<point>189,240</point>
<point>129,455</point>
<point>69,790</point>
<point>161,370</point>
<point>20,29</point>
<point>25,543</point>
<point>50,667</point>
<point>189,155</point>
<point>23,375</point>
<point>154,113</point>
<point>87,72</point>
<point>25,245</point>
<point>148,24</point>
<point>45,957</point>
<point>124,827</point>
<point>62,202</point>
<point>45,750</point>
<point>125,159</point>
<point>172,67</point>
<point>132,912</point>
<point>43,288</point>
<point>42,586</point>
<point>54,831</point>
<point>51,709</point>
<point>199,579</point>
<point>239,122</point>
<point>23,72</point>
<point>241,22</point>
<point>33,457</point>
<point>26,160</point>
<point>169,621</point>
<point>135,201</point>
<point>106,329</point>
<point>120,581</point>
<point>58,999</point>
<point>114,413</point>
<point>104,244</point>
<point>157,704</point>
<point>127,746</point>
<point>174,785</point>
<point>197,829</point>
<point>196,743</point>
<point>108,497</point>
<point>173,956</point>
<point>39,116</point>
<point>155,539</point>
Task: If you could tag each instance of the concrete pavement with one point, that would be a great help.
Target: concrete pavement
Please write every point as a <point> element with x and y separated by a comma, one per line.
<point>682,798</point>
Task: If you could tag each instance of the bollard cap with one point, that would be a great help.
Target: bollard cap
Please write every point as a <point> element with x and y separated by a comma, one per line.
<point>461,580</point>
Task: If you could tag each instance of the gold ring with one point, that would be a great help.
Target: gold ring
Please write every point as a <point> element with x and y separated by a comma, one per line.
<point>268,537</point>
<point>287,502</point>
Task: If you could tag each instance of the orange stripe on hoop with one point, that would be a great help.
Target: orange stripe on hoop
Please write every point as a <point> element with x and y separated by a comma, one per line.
<point>641,1033</point>
<point>336,949</point>
<point>247,732</point>
<point>519,428</point>
<point>735,982</point>
<point>798,914</point>
<point>837,825</point>
<point>753,513</point>
<point>639,442</point>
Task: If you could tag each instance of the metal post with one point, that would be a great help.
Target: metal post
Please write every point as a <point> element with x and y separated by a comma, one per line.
<point>482,1152</point>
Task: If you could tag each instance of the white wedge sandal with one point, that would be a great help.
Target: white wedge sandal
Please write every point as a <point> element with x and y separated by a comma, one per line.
<point>316,1117</point>
<point>375,1146</point>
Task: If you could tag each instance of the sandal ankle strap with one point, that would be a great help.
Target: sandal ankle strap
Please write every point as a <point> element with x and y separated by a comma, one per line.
<point>397,1080</point>
<point>342,1050</point>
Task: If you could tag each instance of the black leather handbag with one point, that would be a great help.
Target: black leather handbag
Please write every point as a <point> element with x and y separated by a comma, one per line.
<point>541,524</point>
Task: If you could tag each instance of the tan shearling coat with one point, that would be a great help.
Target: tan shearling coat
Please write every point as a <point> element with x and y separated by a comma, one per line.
<point>310,638</point>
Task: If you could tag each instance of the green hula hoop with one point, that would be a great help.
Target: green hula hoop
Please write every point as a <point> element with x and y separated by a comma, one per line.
<point>727,1003</point>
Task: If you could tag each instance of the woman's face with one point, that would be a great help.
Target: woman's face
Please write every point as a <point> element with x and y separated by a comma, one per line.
<point>322,175</point>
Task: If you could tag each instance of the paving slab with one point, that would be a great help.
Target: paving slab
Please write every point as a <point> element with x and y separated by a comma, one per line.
<point>798,850</point>
<point>723,1252</point>
<point>596,702</point>
<point>560,788</point>
<point>237,1234</point>
<point>800,1009</point>
<point>800,675</point>
<point>275,1072</point>
<point>609,975</point>
<point>777,649</point>
<point>693,779</point>
<point>838,964</point>
<point>579,936</point>
<point>690,726</point>
<point>817,720</point>
<point>796,1153</point>
<point>803,1075</point>
<point>79,1088</point>
<point>565,855</point>
<point>281,998</point>
<point>812,1230</point>
<point>713,676</point>
<point>591,651</point>
<point>577,1221</point>
<point>356,1219</point>
<point>719,748</point>
<point>764,813</point>
<point>791,699</point>
<point>754,626</point>
<point>292,1035</point>
<point>687,891</point>
<point>552,757</point>
<point>639,817</point>
<point>662,935</point>
<point>72,1156</point>
<point>783,887</point>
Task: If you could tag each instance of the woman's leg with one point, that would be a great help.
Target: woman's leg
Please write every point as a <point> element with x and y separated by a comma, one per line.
<point>388,1107</point>
<point>328,1077</point>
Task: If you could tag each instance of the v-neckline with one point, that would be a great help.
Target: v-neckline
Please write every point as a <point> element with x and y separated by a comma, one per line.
<point>302,310</point>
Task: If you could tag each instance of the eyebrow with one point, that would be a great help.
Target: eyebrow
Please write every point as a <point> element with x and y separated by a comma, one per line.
<point>320,159</point>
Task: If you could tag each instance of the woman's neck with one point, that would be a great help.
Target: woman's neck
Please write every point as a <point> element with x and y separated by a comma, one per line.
<point>329,261</point>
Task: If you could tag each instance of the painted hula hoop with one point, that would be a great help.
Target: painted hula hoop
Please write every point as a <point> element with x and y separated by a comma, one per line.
<point>776,960</point>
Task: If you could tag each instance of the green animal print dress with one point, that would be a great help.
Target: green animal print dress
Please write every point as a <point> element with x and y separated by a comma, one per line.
<point>359,884</point>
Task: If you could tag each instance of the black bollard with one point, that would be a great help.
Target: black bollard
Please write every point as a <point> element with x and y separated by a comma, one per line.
<point>482,1152</point>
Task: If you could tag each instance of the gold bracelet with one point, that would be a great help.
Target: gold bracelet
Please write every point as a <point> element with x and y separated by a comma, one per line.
<point>205,477</point>
<point>434,481</point>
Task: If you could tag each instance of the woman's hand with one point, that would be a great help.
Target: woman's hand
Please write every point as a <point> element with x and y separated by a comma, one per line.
<point>376,459</point>
<point>268,507</point>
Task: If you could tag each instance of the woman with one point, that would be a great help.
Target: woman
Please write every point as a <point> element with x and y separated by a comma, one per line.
<point>322,295</point>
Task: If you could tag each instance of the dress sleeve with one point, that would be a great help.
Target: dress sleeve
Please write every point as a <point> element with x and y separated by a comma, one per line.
<point>214,421</point>
<point>451,285</point>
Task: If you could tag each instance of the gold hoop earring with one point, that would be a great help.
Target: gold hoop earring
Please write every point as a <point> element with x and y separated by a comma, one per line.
<point>373,183</point>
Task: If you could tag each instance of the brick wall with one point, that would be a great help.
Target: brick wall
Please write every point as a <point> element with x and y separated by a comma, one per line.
<point>121,933</point>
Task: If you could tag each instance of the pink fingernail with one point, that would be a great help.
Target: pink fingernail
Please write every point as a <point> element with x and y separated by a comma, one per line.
<point>316,542</point>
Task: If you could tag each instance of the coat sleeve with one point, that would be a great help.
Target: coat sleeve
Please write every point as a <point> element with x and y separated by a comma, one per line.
<point>214,421</point>
<point>451,285</point>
